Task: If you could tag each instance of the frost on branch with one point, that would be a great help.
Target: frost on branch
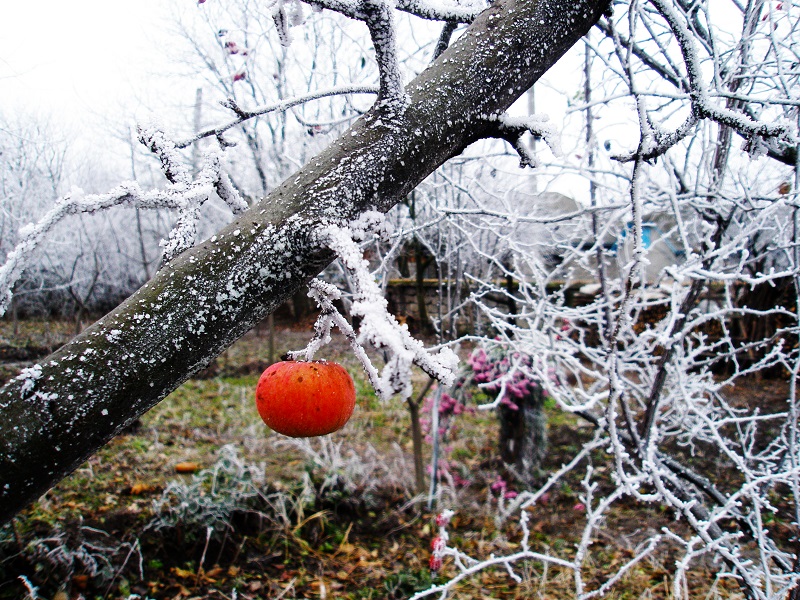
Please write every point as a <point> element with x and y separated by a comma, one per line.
<point>182,193</point>
<point>156,140</point>
<point>379,17</point>
<point>210,179</point>
<point>285,18</point>
<point>378,328</point>
<point>511,129</point>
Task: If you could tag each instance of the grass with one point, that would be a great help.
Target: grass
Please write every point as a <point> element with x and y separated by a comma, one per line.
<point>263,516</point>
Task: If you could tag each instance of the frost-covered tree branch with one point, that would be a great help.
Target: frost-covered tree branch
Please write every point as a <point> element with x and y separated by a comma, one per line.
<point>378,329</point>
<point>511,129</point>
<point>243,115</point>
<point>184,194</point>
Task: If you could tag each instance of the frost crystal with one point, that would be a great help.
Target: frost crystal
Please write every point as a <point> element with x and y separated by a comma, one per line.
<point>29,377</point>
<point>379,329</point>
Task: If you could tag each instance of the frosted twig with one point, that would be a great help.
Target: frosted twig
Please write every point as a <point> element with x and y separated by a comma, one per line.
<point>701,104</point>
<point>512,129</point>
<point>157,141</point>
<point>379,17</point>
<point>210,178</point>
<point>184,196</point>
<point>284,105</point>
<point>325,294</point>
<point>433,11</point>
<point>378,328</point>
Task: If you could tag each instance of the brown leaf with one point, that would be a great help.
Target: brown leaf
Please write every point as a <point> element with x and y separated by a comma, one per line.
<point>80,581</point>
<point>187,467</point>
<point>182,573</point>
<point>214,573</point>
<point>137,489</point>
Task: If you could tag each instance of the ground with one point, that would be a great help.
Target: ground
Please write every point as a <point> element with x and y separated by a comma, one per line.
<point>201,500</point>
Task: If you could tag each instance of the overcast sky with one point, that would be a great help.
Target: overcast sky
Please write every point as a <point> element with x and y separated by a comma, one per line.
<point>97,66</point>
<point>82,58</point>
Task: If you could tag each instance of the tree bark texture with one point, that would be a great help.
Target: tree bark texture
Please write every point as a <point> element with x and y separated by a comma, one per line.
<point>57,413</point>
<point>523,435</point>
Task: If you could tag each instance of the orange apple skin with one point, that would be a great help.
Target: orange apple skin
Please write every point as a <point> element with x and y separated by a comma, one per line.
<point>305,399</point>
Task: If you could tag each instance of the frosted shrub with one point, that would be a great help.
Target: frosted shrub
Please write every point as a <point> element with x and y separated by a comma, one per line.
<point>213,495</point>
<point>83,550</point>
<point>335,468</point>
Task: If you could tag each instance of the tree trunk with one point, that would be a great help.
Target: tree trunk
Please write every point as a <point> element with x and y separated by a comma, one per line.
<point>416,441</point>
<point>523,435</point>
<point>57,413</point>
<point>422,261</point>
<point>416,436</point>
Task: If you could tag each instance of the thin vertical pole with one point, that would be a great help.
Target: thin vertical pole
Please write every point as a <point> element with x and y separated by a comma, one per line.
<point>435,454</point>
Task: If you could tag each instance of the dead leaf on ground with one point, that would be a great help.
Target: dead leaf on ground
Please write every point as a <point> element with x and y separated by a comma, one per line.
<point>182,573</point>
<point>187,467</point>
<point>137,489</point>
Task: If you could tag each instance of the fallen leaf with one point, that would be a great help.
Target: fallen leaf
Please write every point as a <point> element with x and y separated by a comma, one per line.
<point>187,467</point>
<point>214,573</point>
<point>182,573</point>
<point>137,489</point>
<point>347,548</point>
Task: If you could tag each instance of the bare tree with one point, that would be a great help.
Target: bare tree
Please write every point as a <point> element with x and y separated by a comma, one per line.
<point>650,360</point>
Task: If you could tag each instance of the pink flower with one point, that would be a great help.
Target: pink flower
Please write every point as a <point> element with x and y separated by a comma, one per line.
<point>499,484</point>
<point>580,507</point>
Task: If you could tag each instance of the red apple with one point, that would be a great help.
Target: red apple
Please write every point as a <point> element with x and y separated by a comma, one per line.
<point>305,399</point>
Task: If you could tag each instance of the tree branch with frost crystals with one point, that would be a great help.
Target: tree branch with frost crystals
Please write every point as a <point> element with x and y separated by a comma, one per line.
<point>210,178</point>
<point>185,197</point>
<point>243,115</point>
<point>282,23</point>
<point>511,129</point>
<point>379,17</point>
<point>379,328</point>
<point>702,106</point>
<point>432,11</point>
<point>155,139</point>
<point>324,294</point>
<point>183,234</point>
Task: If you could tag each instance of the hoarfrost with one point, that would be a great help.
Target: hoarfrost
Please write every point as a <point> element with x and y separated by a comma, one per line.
<point>28,377</point>
<point>378,329</point>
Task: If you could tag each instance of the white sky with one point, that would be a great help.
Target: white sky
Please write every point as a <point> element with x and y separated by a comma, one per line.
<point>82,60</point>
<point>97,65</point>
